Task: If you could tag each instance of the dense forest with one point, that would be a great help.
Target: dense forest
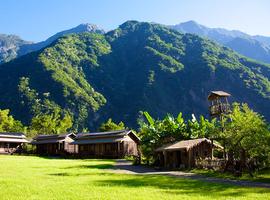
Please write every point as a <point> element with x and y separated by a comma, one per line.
<point>138,66</point>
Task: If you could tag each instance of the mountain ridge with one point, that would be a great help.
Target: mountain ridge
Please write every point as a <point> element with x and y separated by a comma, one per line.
<point>138,66</point>
<point>239,41</point>
<point>23,47</point>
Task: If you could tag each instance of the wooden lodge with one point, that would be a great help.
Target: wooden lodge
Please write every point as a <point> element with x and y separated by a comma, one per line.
<point>12,142</point>
<point>183,154</point>
<point>54,144</point>
<point>113,144</point>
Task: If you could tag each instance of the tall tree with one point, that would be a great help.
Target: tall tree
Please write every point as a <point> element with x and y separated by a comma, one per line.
<point>53,123</point>
<point>247,137</point>
<point>111,126</point>
<point>8,123</point>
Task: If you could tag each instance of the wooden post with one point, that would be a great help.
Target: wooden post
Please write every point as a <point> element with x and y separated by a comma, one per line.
<point>189,158</point>
<point>165,159</point>
<point>118,149</point>
<point>212,149</point>
<point>139,154</point>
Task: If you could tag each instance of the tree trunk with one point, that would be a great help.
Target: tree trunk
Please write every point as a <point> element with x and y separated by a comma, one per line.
<point>224,150</point>
<point>243,160</point>
<point>229,162</point>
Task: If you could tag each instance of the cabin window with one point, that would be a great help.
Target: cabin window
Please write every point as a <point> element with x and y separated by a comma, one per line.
<point>205,153</point>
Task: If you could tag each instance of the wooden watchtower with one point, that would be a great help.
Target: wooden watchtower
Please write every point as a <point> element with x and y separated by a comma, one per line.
<point>219,104</point>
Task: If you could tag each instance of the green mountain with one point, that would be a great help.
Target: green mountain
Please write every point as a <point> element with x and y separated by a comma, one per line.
<point>138,66</point>
<point>11,46</point>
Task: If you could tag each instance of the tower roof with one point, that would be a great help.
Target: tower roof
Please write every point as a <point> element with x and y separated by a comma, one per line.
<point>216,94</point>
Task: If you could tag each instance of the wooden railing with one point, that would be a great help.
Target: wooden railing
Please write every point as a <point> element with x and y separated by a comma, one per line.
<point>210,163</point>
<point>219,108</point>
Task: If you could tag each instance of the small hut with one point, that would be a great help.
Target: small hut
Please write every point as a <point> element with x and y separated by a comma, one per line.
<point>183,154</point>
<point>54,144</point>
<point>12,142</point>
<point>112,144</point>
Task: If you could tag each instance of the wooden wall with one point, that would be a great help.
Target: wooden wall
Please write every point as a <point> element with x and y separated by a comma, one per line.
<point>63,147</point>
<point>48,149</point>
<point>109,150</point>
<point>201,151</point>
<point>184,158</point>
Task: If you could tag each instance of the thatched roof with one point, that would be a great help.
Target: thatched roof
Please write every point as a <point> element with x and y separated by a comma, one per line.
<point>215,94</point>
<point>49,139</point>
<point>185,144</point>
<point>13,138</point>
<point>105,137</point>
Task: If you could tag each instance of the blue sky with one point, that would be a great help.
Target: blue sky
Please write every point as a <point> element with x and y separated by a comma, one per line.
<point>36,20</point>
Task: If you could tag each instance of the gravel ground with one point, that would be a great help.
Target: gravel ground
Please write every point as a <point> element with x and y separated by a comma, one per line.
<point>126,167</point>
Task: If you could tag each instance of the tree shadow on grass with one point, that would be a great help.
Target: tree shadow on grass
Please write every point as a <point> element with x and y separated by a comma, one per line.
<point>96,166</point>
<point>66,174</point>
<point>261,179</point>
<point>61,174</point>
<point>182,186</point>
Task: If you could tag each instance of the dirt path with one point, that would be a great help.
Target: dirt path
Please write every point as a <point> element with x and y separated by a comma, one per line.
<point>126,167</point>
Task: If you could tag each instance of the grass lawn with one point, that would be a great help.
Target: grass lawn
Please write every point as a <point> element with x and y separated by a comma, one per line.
<point>28,177</point>
<point>262,176</point>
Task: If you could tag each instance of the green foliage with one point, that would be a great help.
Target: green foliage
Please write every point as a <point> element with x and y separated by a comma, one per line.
<point>247,135</point>
<point>38,104</point>
<point>151,77</point>
<point>202,128</point>
<point>111,126</point>
<point>66,60</point>
<point>8,123</point>
<point>155,133</point>
<point>52,123</point>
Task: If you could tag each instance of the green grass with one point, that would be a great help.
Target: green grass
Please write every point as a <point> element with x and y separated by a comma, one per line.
<point>262,176</point>
<point>28,177</point>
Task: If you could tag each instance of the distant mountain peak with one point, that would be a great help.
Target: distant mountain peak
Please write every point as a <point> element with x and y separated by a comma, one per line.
<point>12,46</point>
<point>256,47</point>
<point>191,27</point>
<point>191,22</point>
<point>87,27</point>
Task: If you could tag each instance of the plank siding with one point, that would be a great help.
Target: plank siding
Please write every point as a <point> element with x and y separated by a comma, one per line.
<point>184,157</point>
<point>113,144</point>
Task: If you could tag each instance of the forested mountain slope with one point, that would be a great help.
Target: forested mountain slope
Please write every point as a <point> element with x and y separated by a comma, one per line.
<point>139,66</point>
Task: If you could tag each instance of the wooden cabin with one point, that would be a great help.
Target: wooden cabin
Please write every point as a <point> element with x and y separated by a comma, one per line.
<point>218,103</point>
<point>183,154</point>
<point>54,144</point>
<point>113,144</point>
<point>12,142</point>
